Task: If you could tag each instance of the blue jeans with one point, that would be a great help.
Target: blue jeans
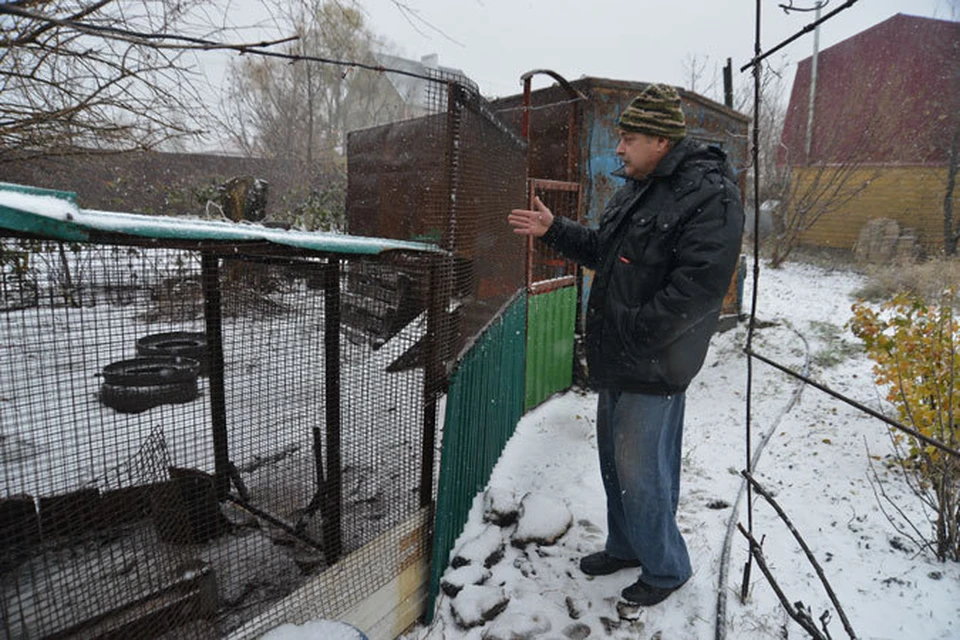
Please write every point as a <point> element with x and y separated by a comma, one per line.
<point>639,438</point>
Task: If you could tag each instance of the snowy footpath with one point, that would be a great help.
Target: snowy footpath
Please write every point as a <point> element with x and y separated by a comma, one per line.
<point>514,574</point>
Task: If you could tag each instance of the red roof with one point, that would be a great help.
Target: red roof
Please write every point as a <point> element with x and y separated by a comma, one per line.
<point>890,94</point>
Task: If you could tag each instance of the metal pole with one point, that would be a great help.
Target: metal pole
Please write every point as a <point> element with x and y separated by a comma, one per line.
<point>433,374</point>
<point>331,341</point>
<point>213,317</point>
<point>813,83</point>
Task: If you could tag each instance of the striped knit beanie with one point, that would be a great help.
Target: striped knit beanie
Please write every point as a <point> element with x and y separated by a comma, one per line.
<point>655,112</point>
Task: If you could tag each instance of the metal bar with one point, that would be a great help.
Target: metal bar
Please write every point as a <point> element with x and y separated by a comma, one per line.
<point>525,119</point>
<point>756,553</point>
<point>432,373</point>
<point>728,84</point>
<point>318,456</point>
<point>332,511</point>
<point>807,29</point>
<point>277,522</point>
<point>546,286</point>
<point>563,82</point>
<point>862,407</point>
<point>531,247</point>
<point>213,317</point>
<point>806,550</point>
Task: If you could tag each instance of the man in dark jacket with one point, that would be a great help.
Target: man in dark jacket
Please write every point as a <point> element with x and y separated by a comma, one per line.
<point>663,256</point>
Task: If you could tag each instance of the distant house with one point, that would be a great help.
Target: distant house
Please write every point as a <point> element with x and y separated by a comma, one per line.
<point>412,94</point>
<point>878,132</point>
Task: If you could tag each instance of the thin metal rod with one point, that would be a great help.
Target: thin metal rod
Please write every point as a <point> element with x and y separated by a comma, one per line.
<point>755,155</point>
<point>433,373</point>
<point>277,522</point>
<point>806,550</point>
<point>862,407</point>
<point>758,58</point>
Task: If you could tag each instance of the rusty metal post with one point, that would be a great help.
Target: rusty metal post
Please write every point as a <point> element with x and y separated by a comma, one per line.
<point>525,123</point>
<point>525,132</point>
<point>332,499</point>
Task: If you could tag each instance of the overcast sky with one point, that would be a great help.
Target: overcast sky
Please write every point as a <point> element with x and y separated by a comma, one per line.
<point>495,41</point>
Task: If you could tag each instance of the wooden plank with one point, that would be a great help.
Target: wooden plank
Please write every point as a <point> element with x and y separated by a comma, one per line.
<point>395,607</point>
<point>387,575</point>
<point>192,597</point>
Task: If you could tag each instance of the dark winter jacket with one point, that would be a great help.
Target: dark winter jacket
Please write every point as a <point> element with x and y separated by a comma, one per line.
<point>663,256</point>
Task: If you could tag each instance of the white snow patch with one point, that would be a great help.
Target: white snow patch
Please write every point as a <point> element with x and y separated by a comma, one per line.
<point>314,630</point>
<point>485,549</point>
<point>543,520</point>
<point>477,604</point>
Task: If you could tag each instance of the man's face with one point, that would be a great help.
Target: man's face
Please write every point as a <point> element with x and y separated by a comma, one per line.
<point>640,153</point>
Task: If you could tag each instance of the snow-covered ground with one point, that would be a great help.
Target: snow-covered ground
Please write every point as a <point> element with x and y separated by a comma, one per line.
<point>818,458</point>
<point>817,455</point>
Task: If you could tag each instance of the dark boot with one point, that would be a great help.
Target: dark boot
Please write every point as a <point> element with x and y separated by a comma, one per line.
<point>602,563</point>
<point>646,594</point>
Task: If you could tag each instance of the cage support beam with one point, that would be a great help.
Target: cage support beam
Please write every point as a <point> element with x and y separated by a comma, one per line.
<point>332,541</point>
<point>433,374</point>
<point>213,322</point>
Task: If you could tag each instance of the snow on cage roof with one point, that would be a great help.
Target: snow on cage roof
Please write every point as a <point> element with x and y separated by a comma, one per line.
<point>55,215</point>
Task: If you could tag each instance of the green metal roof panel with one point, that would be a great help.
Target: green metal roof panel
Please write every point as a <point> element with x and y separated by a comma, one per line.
<point>55,215</point>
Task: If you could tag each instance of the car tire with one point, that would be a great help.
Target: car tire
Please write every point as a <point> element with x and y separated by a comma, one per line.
<point>133,399</point>
<point>151,371</point>
<point>185,344</point>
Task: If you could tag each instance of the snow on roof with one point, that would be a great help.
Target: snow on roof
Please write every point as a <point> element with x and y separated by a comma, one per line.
<point>55,215</point>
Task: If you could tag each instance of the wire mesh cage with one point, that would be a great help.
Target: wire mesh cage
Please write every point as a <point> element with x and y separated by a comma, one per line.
<point>196,434</point>
<point>194,431</point>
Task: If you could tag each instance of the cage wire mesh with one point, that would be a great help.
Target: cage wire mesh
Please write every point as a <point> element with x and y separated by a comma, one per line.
<point>563,199</point>
<point>113,485</point>
<point>191,435</point>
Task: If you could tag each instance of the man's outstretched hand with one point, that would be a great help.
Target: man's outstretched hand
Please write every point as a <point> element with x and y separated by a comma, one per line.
<point>531,222</point>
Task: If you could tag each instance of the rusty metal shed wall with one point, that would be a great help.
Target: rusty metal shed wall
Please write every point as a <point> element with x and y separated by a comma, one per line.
<point>593,152</point>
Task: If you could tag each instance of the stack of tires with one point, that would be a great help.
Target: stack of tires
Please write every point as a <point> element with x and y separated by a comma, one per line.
<point>165,372</point>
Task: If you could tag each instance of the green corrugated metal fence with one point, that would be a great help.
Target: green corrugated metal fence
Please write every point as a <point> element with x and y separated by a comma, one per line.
<point>550,326</point>
<point>484,404</point>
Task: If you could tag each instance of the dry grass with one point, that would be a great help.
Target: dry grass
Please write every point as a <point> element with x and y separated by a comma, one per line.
<point>927,279</point>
